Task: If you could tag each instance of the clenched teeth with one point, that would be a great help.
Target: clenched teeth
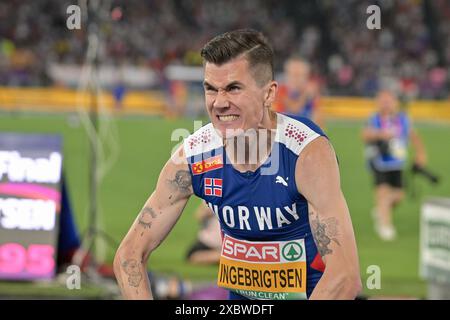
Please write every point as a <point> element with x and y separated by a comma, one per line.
<point>228,118</point>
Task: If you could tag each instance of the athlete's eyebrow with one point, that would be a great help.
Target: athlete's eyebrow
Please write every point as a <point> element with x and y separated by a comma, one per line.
<point>208,85</point>
<point>234,83</point>
<point>228,86</point>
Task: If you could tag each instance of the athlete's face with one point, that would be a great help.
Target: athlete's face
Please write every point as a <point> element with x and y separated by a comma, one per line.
<point>234,100</point>
<point>387,103</point>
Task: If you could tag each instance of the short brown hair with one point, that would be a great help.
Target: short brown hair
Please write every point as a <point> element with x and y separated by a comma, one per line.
<point>251,43</point>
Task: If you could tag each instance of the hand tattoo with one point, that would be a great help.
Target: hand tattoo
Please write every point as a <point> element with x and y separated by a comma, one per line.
<point>323,233</point>
<point>131,268</point>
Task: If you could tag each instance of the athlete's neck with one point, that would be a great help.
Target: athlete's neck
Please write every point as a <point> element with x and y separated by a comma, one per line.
<point>248,151</point>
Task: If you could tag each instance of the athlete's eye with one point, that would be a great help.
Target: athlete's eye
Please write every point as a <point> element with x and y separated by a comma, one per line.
<point>234,88</point>
<point>210,89</point>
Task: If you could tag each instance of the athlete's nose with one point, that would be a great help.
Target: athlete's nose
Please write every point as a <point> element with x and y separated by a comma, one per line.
<point>221,100</point>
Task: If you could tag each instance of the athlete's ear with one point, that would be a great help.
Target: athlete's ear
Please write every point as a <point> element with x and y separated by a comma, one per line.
<point>271,93</point>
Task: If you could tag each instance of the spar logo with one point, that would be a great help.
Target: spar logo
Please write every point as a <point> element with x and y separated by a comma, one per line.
<point>250,251</point>
<point>207,165</point>
<point>272,252</point>
<point>292,251</point>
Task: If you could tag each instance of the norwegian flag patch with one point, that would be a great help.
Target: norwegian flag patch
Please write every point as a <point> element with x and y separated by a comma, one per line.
<point>213,187</point>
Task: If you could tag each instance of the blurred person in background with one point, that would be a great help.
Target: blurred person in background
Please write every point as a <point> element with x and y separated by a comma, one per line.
<point>164,286</point>
<point>387,136</point>
<point>177,98</point>
<point>206,249</point>
<point>119,90</point>
<point>299,95</point>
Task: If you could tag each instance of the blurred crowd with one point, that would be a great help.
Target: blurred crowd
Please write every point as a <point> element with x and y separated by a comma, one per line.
<point>408,52</point>
<point>411,50</point>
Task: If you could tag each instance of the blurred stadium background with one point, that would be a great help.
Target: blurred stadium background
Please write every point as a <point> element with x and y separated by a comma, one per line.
<point>149,70</point>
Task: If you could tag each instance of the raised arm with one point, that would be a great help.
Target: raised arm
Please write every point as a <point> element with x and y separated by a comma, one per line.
<point>317,178</point>
<point>154,222</point>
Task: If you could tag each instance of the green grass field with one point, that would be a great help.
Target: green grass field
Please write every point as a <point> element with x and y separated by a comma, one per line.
<point>145,145</point>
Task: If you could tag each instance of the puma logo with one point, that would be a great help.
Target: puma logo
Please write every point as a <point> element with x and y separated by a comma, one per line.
<point>281,180</point>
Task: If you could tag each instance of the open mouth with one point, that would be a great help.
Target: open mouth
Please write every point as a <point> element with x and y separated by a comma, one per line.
<point>228,118</point>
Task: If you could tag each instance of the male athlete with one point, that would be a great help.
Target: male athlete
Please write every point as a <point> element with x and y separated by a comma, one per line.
<point>298,95</point>
<point>387,135</point>
<point>286,227</point>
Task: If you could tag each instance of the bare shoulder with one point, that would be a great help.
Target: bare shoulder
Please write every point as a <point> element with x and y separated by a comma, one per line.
<point>317,167</point>
<point>319,149</point>
<point>175,177</point>
<point>317,153</point>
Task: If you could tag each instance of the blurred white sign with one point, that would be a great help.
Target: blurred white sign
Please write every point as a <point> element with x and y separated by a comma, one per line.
<point>109,76</point>
<point>435,240</point>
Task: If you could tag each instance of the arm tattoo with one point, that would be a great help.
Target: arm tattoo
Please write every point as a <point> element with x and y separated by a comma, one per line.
<point>131,268</point>
<point>182,181</point>
<point>324,232</point>
<point>146,216</point>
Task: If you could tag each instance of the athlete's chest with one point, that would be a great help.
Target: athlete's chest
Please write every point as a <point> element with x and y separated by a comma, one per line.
<point>253,202</point>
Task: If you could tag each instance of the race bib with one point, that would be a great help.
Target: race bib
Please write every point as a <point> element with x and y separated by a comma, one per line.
<point>263,270</point>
